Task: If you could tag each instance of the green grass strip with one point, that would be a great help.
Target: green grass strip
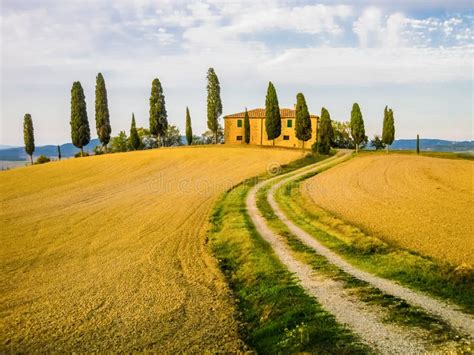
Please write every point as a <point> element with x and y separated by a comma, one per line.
<point>277,315</point>
<point>395,309</point>
<point>373,255</point>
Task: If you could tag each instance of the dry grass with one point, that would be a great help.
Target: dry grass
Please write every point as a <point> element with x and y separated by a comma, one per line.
<point>109,252</point>
<point>423,204</point>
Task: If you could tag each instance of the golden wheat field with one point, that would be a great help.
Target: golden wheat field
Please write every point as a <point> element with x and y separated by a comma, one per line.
<point>109,252</point>
<point>420,203</point>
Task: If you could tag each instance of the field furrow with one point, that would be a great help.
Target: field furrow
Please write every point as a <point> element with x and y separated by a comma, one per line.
<point>419,203</point>
<point>109,252</point>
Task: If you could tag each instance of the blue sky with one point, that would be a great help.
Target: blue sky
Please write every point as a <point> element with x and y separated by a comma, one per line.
<point>416,57</point>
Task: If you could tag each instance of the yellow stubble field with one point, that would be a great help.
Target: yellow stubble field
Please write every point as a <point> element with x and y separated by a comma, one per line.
<point>109,252</point>
<point>420,203</point>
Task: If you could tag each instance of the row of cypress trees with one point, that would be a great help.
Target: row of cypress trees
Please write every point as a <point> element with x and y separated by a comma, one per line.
<point>80,132</point>
<point>273,118</point>
<point>158,119</point>
<point>303,129</point>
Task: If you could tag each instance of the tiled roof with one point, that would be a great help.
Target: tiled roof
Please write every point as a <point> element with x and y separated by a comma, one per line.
<point>260,113</point>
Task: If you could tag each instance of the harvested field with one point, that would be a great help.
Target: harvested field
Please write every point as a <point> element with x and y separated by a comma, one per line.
<point>423,204</point>
<point>109,252</point>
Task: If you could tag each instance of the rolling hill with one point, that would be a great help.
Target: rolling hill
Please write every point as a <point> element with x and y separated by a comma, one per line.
<point>67,150</point>
<point>420,203</point>
<point>435,145</point>
<point>109,252</point>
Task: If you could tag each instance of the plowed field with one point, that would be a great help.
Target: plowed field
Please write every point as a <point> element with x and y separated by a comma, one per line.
<point>420,203</point>
<point>109,252</point>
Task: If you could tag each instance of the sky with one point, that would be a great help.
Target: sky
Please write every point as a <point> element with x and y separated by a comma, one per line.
<point>414,56</point>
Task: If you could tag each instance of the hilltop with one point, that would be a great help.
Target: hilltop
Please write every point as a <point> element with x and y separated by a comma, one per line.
<point>108,252</point>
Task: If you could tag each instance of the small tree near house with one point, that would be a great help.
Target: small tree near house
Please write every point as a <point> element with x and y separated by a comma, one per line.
<point>272,114</point>
<point>135,142</point>
<point>325,133</point>
<point>246,127</point>
<point>303,120</point>
<point>357,126</point>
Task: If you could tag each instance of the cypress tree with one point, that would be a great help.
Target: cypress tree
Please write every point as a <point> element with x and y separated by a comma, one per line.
<point>357,126</point>
<point>59,152</point>
<point>418,144</point>
<point>29,136</point>
<point>80,132</point>
<point>158,115</point>
<point>388,133</point>
<point>189,129</point>
<point>246,127</point>
<point>303,120</point>
<point>325,132</point>
<point>214,103</point>
<point>134,137</point>
<point>102,118</point>
<point>385,133</point>
<point>272,114</point>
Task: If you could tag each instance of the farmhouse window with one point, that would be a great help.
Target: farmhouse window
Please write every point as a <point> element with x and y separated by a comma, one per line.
<point>286,138</point>
<point>289,123</point>
<point>239,138</point>
<point>239,123</point>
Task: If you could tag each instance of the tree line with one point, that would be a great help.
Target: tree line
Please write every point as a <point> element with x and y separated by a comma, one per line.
<point>350,135</point>
<point>159,133</point>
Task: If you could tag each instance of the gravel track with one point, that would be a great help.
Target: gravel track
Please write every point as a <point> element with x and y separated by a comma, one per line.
<point>364,321</point>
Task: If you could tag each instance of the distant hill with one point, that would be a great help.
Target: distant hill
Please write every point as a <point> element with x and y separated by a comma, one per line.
<point>435,145</point>
<point>67,150</point>
<point>3,146</point>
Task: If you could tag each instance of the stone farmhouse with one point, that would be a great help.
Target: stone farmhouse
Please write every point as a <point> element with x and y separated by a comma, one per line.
<point>234,129</point>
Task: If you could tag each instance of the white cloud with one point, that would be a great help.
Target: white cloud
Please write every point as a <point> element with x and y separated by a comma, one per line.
<point>396,24</point>
<point>369,66</point>
<point>312,19</point>
<point>374,28</point>
<point>47,47</point>
<point>368,27</point>
<point>164,37</point>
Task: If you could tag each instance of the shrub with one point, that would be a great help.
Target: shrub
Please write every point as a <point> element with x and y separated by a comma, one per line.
<point>78,154</point>
<point>42,159</point>
<point>98,150</point>
<point>377,143</point>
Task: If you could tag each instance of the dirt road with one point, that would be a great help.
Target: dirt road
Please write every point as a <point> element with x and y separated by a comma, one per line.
<point>366,322</point>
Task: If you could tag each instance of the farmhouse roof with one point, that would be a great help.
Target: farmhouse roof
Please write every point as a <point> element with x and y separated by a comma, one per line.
<point>260,113</point>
